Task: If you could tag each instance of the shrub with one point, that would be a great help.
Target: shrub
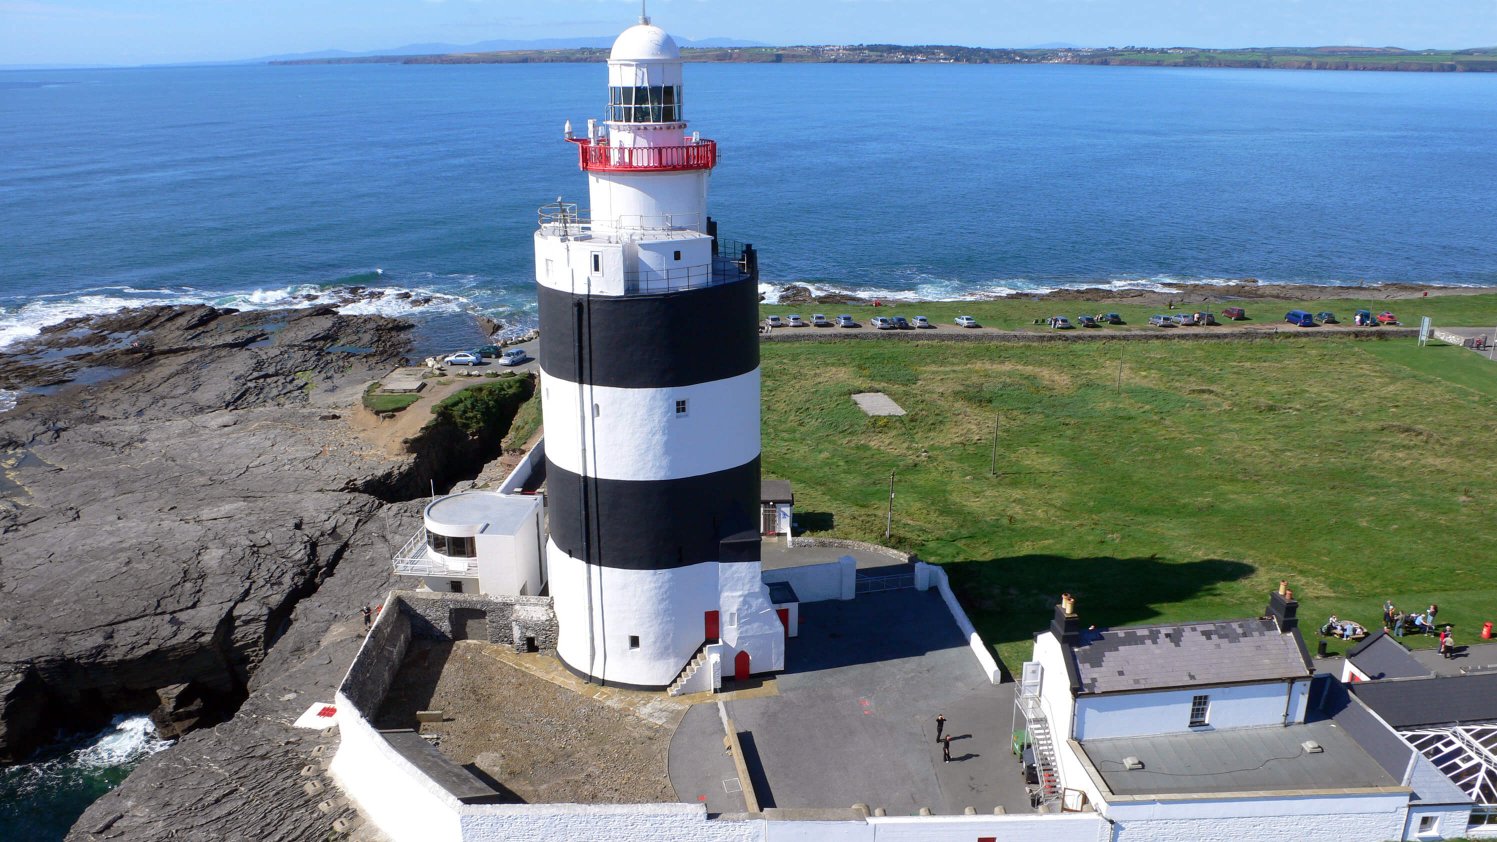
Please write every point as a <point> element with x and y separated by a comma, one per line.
<point>487,408</point>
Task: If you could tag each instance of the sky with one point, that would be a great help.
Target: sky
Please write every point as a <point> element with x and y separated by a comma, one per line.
<point>129,32</point>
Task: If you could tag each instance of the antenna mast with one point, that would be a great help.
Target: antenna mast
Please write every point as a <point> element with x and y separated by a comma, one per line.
<point>644,13</point>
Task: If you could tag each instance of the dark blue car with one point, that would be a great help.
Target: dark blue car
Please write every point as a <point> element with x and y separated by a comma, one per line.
<point>1299,317</point>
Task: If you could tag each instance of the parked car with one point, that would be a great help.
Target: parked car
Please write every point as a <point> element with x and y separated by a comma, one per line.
<point>1161,321</point>
<point>795,321</point>
<point>1110,318</point>
<point>1184,319</point>
<point>1206,317</point>
<point>514,356</point>
<point>1386,318</point>
<point>488,350</point>
<point>463,358</point>
<point>1236,314</point>
<point>923,323</point>
<point>966,321</point>
<point>845,320</point>
<point>1299,317</point>
<point>882,323</point>
<point>1087,321</point>
<point>1060,323</point>
<point>819,320</point>
<point>774,321</point>
<point>1326,317</point>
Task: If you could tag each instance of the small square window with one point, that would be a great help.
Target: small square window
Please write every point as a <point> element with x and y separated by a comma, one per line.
<point>680,408</point>
<point>1200,706</point>
<point>1429,824</point>
<point>633,641</point>
<point>678,255</point>
<point>456,585</point>
<point>732,619</point>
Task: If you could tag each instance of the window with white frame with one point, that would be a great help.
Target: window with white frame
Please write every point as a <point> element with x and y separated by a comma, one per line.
<point>1200,707</point>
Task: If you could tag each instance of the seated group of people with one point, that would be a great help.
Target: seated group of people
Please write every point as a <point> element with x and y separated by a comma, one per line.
<point>1398,622</point>
<point>1344,629</point>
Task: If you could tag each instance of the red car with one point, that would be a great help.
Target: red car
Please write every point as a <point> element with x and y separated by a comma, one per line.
<point>1234,313</point>
<point>1386,318</point>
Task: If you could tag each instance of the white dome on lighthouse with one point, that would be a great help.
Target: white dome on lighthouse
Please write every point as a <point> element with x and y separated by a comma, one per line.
<point>645,42</point>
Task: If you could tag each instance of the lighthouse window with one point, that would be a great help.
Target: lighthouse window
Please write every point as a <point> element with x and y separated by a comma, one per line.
<point>453,547</point>
<point>678,255</point>
<point>597,263</point>
<point>645,104</point>
<point>633,641</point>
<point>680,408</point>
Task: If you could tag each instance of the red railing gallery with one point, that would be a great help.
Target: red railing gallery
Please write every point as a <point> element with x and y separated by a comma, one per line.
<point>701,155</point>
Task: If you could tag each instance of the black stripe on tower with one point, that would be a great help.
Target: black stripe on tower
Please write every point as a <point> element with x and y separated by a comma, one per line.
<point>656,524</point>
<point>651,341</point>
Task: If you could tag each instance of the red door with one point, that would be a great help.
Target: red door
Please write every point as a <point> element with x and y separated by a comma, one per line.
<point>711,635</point>
<point>785,621</point>
<point>741,666</point>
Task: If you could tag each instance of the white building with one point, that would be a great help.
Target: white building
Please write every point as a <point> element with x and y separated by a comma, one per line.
<point>1208,731</point>
<point>478,542</point>
<point>649,361</point>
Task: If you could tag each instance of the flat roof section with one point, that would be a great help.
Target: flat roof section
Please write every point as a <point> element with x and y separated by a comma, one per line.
<point>1187,655</point>
<point>1235,760</point>
<point>854,717</point>
<point>1424,702</point>
<point>497,514</point>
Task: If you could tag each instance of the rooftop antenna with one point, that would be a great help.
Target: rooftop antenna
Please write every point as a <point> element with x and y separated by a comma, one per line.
<point>644,13</point>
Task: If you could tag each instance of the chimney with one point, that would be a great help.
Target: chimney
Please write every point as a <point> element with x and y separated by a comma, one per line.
<point>1283,609</point>
<point>1066,626</point>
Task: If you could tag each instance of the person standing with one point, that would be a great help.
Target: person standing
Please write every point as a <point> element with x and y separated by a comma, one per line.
<point>946,749</point>
<point>368,617</point>
<point>940,725</point>
<point>1447,643</point>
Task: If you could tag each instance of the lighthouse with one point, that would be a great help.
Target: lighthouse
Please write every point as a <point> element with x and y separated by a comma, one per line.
<point>649,365</point>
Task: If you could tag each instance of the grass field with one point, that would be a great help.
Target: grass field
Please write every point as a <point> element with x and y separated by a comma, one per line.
<point>1357,470</point>
<point>1017,313</point>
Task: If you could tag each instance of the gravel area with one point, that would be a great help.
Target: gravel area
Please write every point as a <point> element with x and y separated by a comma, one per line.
<point>541,742</point>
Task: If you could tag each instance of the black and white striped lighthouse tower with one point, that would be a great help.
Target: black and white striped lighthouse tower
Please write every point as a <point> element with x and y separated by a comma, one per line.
<point>650,390</point>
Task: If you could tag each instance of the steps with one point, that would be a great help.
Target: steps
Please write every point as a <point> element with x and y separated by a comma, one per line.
<point>697,661</point>
<point>1044,759</point>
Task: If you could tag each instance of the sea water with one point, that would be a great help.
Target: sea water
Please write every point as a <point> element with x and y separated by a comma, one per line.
<point>252,186</point>
<point>41,799</point>
<point>258,186</point>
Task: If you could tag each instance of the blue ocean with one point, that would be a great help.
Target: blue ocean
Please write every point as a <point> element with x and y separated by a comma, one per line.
<point>259,186</point>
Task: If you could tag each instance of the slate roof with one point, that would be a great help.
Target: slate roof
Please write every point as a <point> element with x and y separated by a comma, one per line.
<point>1187,655</point>
<point>1425,702</point>
<point>1235,760</point>
<point>1382,656</point>
<point>775,491</point>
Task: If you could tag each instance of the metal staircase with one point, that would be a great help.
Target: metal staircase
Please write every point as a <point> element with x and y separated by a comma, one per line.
<point>697,661</point>
<point>1041,740</point>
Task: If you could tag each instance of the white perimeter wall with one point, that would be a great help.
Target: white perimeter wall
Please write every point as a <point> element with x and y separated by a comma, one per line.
<point>689,823</point>
<point>1168,711</point>
<point>1361,818</point>
<point>820,582</point>
<point>388,790</point>
<point>635,434</point>
<point>927,575</point>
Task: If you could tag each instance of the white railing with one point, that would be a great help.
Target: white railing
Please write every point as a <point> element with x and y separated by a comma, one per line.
<point>417,559</point>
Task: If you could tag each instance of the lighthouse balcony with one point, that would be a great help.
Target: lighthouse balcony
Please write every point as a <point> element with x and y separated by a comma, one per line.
<point>596,157</point>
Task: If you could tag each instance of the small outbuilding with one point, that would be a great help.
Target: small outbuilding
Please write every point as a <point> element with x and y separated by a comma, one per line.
<point>776,508</point>
<point>478,542</point>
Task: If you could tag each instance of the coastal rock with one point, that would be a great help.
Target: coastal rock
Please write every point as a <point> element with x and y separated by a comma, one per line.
<point>162,524</point>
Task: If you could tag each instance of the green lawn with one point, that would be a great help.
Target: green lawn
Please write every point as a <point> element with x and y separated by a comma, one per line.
<point>1017,313</point>
<point>1357,470</point>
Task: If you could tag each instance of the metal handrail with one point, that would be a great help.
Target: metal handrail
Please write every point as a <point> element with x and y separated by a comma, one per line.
<point>415,558</point>
<point>603,157</point>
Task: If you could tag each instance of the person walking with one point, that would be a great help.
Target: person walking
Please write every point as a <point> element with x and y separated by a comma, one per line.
<point>940,725</point>
<point>946,749</point>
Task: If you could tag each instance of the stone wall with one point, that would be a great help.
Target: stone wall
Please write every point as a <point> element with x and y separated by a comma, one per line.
<point>379,658</point>
<point>509,620</point>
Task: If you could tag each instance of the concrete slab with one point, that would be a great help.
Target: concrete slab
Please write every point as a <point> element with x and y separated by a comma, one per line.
<point>854,721</point>
<point>1476,657</point>
<point>701,769</point>
<point>404,379</point>
<point>877,403</point>
<point>775,556</point>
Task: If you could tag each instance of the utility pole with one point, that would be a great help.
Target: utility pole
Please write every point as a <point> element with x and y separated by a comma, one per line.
<point>889,518</point>
<point>1120,377</point>
<point>994,469</point>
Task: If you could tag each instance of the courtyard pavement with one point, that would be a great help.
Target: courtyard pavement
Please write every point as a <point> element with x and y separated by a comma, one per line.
<point>854,719</point>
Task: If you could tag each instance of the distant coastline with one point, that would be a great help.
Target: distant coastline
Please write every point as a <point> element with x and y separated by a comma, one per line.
<point>1481,60</point>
